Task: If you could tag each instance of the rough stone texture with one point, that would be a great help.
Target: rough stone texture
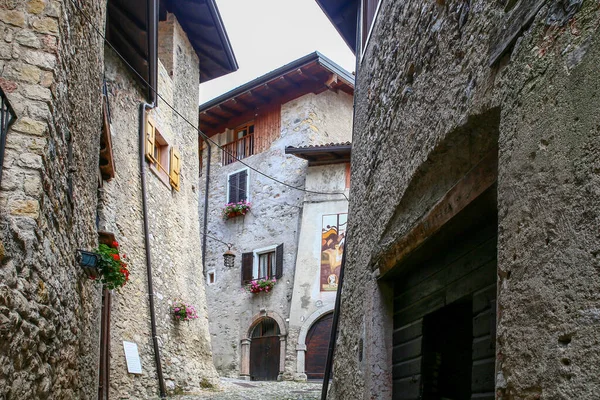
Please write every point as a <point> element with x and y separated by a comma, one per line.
<point>308,301</point>
<point>424,88</point>
<point>174,230</point>
<point>49,311</point>
<point>274,219</point>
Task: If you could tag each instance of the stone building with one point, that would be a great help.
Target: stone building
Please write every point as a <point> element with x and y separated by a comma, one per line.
<point>472,254</point>
<point>60,335</point>
<point>264,125</point>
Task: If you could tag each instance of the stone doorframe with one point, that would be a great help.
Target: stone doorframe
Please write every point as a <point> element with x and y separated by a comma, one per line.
<point>246,339</point>
<point>301,346</point>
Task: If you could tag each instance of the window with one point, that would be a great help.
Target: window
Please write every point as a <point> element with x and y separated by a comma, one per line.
<point>237,186</point>
<point>369,12</point>
<point>241,146</point>
<point>262,263</point>
<point>210,277</point>
<point>165,160</point>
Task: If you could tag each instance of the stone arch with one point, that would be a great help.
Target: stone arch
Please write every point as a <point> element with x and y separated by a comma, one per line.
<point>301,346</point>
<point>246,339</point>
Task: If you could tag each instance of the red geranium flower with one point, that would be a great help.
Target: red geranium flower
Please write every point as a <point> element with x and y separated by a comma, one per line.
<point>116,257</point>
<point>115,244</point>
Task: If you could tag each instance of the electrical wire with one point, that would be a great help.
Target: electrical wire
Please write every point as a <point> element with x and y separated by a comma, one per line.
<point>91,23</point>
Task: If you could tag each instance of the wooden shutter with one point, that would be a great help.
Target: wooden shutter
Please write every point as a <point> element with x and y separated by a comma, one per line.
<point>232,188</point>
<point>150,140</point>
<point>279,261</point>
<point>247,264</point>
<point>175,168</point>
<point>242,185</point>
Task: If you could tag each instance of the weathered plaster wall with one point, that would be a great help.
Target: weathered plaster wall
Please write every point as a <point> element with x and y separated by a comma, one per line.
<point>49,312</point>
<point>174,230</point>
<point>307,299</point>
<point>274,219</point>
<point>424,82</point>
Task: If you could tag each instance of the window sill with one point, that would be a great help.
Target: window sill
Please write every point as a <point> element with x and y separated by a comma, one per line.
<point>161,175</point>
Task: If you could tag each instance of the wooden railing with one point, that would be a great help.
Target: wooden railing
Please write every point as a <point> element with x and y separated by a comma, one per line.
<point>238,149</point>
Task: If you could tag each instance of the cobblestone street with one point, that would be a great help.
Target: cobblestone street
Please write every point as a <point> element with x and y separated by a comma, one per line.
<point>236,389</point>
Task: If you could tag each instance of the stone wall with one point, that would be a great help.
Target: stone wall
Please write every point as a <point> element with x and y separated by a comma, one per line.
<point>308,301</point>
<point>49,311</point>
<point>424,80</point>
<point>274,219</point>
<point>173,223</point>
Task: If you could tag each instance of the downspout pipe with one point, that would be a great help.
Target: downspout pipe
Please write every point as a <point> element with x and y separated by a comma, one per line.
<point>206,189</point>
<point>142,134</point>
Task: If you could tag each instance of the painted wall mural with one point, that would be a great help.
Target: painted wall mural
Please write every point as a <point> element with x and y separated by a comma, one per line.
<point>333,239</point>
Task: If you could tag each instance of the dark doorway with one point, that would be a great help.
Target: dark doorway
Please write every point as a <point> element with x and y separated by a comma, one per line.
<point>447,338</point>
<point>265,351</point>
<point>317,344</point>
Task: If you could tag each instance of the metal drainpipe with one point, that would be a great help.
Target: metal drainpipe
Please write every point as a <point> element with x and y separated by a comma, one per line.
<point>161,382</point>
<point>206,189</point>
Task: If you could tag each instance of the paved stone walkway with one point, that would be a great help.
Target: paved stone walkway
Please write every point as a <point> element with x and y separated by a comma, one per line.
<point>236,389</point>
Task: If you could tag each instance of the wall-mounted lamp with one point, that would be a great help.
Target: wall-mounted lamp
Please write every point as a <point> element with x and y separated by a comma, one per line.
<point>229,258</point>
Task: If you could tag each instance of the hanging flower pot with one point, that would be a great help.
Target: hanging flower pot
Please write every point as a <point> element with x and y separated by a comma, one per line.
<point>183,312</point>
<point>106,264</point>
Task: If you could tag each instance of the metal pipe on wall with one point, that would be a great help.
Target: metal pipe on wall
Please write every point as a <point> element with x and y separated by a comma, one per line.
<point>142,139</point>
<point>206,189</point>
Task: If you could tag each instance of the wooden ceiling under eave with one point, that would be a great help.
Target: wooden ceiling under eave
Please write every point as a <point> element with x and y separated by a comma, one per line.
<point>243,105</point>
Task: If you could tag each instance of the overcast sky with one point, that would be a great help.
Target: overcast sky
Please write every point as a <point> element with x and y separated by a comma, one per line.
<point>266,34</point>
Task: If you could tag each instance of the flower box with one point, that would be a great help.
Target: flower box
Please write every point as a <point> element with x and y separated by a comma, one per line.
<point>105,265</point>
<point>233,210</point>
<point>261,285</point>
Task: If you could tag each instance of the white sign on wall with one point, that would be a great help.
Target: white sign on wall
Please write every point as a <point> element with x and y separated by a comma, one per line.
<point>134,364</point>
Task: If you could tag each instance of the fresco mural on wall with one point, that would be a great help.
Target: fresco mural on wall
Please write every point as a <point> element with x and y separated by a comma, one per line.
<point>333,239</point>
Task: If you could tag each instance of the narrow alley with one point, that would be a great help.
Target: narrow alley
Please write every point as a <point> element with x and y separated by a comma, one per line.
<point>237,389</point>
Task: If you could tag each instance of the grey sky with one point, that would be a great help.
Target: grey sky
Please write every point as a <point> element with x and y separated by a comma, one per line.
<point>266,34</point>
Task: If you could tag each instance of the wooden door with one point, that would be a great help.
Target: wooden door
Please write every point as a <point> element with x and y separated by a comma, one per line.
<point>264,358</point>
<point>317,345</point>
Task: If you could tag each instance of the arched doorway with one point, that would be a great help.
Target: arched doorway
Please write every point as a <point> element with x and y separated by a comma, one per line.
<point>265,350</point>
<point>317,345</point>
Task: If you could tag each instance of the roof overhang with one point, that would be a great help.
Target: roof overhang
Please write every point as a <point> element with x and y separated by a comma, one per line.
<point>201,21</point>
<point>132,28</point>
<point>343,14</point>
<point>323,155</point>
<point>313,73</point>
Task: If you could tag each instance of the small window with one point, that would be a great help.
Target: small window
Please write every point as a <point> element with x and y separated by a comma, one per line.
<point>237,186</point>
<point>262,263</point>
<point>210,278</point>
<point>165,160</point>
<point>265,267</point>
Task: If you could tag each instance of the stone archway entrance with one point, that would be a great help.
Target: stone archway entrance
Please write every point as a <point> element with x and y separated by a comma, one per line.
<point>317,344</point>
<point>261,326</point>
<point>265,351</point>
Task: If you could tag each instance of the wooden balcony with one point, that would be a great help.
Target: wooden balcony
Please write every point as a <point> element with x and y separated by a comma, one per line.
<point>238,149</point>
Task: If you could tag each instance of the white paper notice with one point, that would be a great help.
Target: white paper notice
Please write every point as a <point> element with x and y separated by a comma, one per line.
<point>134,365</point>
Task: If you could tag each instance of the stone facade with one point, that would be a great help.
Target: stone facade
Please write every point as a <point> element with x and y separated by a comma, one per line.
<point>49,312</point>
<point>275,218</point>
<point>173,224</point>
<point>429,106</point>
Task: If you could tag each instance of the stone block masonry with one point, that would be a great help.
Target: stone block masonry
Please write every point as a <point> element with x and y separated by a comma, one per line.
<point>426,75</point>
<point>50,68</point>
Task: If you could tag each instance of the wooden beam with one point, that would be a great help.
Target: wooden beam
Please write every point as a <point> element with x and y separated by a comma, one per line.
<point>473,184</point>
<point>273,89</point>
<point>308,76</point>
<point>261,98</point>
<point>333,79</point>
<point>214,115</point>
<point>244,103</point>
<point>229,110</point>
<point>289,82</point>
